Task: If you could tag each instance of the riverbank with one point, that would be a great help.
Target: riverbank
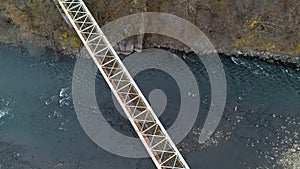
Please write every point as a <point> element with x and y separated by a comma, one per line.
<point>265,30</point>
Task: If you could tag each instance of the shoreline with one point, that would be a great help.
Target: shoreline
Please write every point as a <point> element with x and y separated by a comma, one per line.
<point>267,31</point>
<point>263,31</point>
<point>266,56</point>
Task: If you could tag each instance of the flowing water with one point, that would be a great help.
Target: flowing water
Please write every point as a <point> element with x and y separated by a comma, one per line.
<point>39,128</point>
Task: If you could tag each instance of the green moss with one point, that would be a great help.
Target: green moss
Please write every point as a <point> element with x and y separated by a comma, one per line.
<point>128,1</point>
<point>75,42</point>
<point>66,35</point>
<point>245,41</point>
<point>255,22</point>
<point>219,6</point>
<point>251,40</point>
<point>72,41</point>
<point>294,50</point>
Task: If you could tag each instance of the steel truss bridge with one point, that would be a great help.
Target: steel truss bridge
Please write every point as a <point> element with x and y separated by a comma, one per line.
<point>151,132</point>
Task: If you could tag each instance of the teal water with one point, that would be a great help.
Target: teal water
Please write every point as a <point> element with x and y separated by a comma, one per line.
<point>39,128</point>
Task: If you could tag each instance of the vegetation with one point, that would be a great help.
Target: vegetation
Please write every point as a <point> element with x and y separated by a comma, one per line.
<point>271,25</point>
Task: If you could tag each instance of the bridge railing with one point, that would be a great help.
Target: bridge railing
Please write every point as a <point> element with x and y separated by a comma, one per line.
<point>147,125</point>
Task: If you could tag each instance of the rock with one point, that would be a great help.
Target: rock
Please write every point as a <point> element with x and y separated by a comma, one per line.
<point>129,48</point>
<point>121,46</point>
<point>138,47</point>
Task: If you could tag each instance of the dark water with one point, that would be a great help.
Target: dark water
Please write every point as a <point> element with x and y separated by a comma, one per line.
<point>39,128</point>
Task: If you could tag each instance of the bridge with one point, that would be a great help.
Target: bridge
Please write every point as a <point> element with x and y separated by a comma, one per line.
<point>151,132</point>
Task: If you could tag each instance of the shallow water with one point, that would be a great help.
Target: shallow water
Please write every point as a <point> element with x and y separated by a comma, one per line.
<point>39,128</point>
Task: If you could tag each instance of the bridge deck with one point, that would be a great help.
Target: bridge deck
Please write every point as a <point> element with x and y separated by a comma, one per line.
<point>148,127</point>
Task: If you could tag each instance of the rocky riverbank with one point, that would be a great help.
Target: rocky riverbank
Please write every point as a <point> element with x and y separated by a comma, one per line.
<point>266,30</point>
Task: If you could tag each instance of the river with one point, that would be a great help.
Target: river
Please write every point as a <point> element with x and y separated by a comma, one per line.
<point>39,128</point>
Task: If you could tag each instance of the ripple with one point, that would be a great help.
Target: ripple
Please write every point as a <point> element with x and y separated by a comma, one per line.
<point>239,61</point>
<point>65,97</point>
<point>4,108</point>
<point>285,151</point>
<point>3,112</point>
<point>291,158</point>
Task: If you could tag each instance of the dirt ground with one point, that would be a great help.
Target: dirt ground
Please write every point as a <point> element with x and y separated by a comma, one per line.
<point>263,28</point>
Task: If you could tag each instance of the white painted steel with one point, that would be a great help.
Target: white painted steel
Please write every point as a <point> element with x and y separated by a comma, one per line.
<point>145,122</point>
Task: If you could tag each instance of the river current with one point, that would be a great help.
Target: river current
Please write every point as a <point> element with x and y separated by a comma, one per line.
<point>39,127</point>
